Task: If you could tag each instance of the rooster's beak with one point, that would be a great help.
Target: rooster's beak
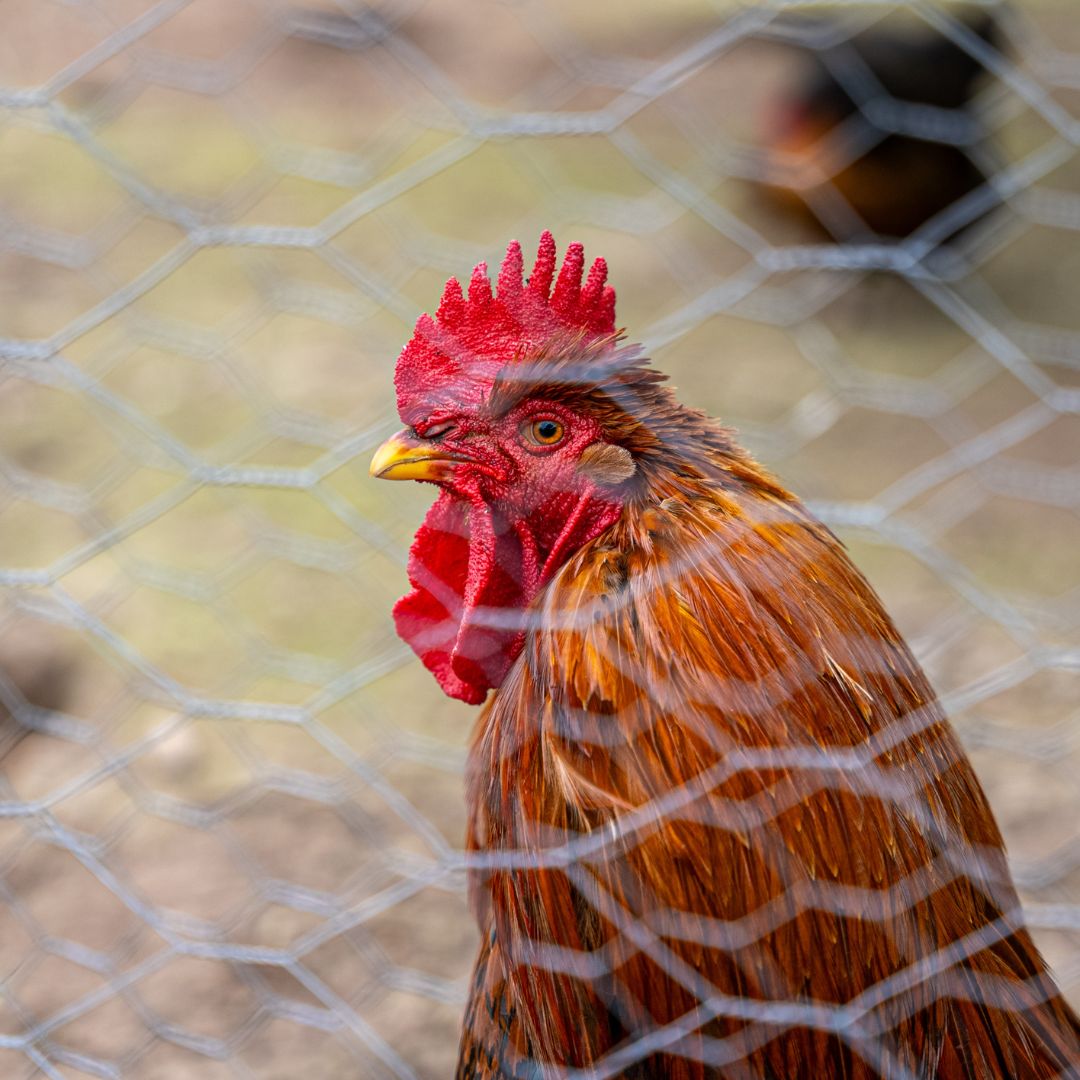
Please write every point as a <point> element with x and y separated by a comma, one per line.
<point>405,457</point>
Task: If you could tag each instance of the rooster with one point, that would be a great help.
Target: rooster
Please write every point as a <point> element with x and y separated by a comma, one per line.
<point>718,824</point>
<point>837,148</point>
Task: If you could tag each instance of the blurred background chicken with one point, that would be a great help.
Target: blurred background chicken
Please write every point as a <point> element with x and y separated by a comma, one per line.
<point>879,134</point>
<point>712,780</point>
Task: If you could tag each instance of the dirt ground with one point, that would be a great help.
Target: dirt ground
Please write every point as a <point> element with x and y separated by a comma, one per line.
<point>230,798</point>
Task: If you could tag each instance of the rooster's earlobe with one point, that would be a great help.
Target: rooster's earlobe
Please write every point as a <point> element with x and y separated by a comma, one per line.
<point>606,464</point>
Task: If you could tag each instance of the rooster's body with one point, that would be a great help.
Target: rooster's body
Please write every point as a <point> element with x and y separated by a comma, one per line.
<point>722,828</point>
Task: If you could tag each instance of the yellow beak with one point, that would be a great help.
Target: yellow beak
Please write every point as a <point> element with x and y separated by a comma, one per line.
<point>405,457</point>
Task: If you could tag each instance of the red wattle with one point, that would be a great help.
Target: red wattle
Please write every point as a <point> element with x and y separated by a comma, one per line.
<point>473,581</point>
<point>465,569</point>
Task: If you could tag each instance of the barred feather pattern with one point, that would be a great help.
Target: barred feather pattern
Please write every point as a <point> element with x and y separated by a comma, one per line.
<point>721,825</point>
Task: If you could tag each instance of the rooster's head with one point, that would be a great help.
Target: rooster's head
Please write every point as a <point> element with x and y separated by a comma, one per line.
<point>516,405</point>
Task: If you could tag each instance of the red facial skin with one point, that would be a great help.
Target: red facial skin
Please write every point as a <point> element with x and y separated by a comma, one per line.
<point>511,511</point>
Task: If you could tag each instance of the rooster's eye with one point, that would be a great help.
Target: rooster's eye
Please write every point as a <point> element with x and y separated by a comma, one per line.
<point>543,432</point>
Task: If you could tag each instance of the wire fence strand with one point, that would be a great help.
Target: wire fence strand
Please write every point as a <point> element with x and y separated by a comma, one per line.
<point>231,816</point>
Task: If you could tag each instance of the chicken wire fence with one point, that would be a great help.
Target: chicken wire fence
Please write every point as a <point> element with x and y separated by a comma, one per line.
<point>230,809</point>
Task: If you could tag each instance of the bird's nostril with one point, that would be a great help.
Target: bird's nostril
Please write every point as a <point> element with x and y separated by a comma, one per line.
<point>434,431</point>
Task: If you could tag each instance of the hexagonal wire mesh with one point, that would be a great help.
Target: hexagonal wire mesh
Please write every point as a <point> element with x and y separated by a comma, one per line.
<point>230,805</point>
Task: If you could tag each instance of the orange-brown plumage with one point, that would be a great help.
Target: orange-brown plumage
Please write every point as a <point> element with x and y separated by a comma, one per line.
<point>721,827</point>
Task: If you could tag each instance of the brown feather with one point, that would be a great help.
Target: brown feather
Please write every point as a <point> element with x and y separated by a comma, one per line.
<point>739,837</point>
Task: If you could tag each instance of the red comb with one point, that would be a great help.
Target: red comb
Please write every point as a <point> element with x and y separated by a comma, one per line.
<point>455,356</point>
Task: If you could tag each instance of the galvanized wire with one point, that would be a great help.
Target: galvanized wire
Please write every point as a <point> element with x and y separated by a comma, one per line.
<point>221,769</point>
